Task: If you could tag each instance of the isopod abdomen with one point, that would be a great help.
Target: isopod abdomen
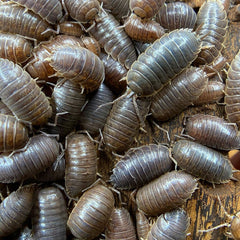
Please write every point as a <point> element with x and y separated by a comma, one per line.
<point>162,61</point>
<point>202,162</point>
<point>140,165</point>
<point>166,193</point>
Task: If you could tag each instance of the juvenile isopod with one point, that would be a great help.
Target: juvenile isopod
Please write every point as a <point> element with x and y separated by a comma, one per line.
<point>22,95</point>
<point>51,11</point>
<point>40,153</point>
<point>140,165</point>
<point>202,162</point>
<point>15,209</point>
<point>14,47</point>
<point>178,94</point>
<point>92,212</point>
<point>15,19</point>
<point>212,131</point>
<point>170,225</point>
<point>212,25</point>
<point>13,134</point>
<point>162,61</point>
<point>166,193</point>
<point>70,28</point>
<point>91,44</point>
<point>81,164</point>
<point>120,226</point>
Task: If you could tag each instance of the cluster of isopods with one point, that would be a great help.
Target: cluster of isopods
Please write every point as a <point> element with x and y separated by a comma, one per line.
<point>78,80</point>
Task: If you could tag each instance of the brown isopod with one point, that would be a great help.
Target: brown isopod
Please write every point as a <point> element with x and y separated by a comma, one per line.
<point>15,48</point>
<point>145,30</point>
<point>232,88</point>
<point>82,10</point>
<point>179,94</point>
<point>162,61</point>
<point>166,193</point>
<point>79,65</point>
<point>81,164</point>
<point>212,93</point>
<point>113,39</point>
<point>124,122</point>
<point>91,214</point>
<point>216,66</point>
<point>13,134</point>
<point>120,226</point>
<point>50,11</point>
<point>15,19</point>
<point>145,8</point>
<point>212,131</point>
<point>170,225</point>
<point>176,15</point>
<point>39,154</point>
<point>202,162</point>
<point>15,209</point>
<point>22,95</point>
<point>70,28</point>
<point>49,215</point>
<point>142,225</point>
<point>140,165</point>
<point>91,44</point>
<point>211,25</point>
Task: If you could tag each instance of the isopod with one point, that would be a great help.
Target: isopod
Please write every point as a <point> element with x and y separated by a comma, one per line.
<point>162,61</point>
<point>212,25</point>
<point>15,209</point>
<point>120,226</point>
<point>170,225</point>
<point>91,44</point>
<point>50,11</point>
<point>166,193</point>
<point>22,95</point>
<point>212,131</point>
<point>179,94</point>
<point>140,165</point>
<point>4,109</point>
<point>49,215</point>
<point>13,134</point>
<point>142,225</point>
<point>39,154</point>
<point>176,15</point>
<point>91,213</point>
<point>15,19</point>
<point>202,162</point>
<point>81,164</point>
<point>70,28</point>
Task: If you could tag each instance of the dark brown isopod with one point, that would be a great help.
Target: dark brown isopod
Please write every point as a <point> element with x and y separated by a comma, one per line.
<point>82,10</point>
<point>212,131</point>
<point>168,192</point>
<point>94,116</point>
<point>211,25</point>
<point>216,66</point>
<point>162,61</point>
<point>140,165</point>
<point>113,39</point>
<point>179,94</point>
<point>81,164</point>
<point>49,215</point>
<point>79,65</point>
<point>142,225</point>
<point>145,30</point>
<point>22,95</point>
<point>212,93</point>
<point>91,214</point>
<point>15,48</point>
<point>123,123</point>
<point>120,226</point>
<point>145,8</point>
<point>232,89</point>
<point>114,74</point>
<point>15,19</point>
<point>40,153</point>
<point>202,162</point>
<point>70,28</point>
<point>170,225</point>
<point>176,15</point>
<point>13,134</point>
<point>15,208</point>
<point>51,11</point>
